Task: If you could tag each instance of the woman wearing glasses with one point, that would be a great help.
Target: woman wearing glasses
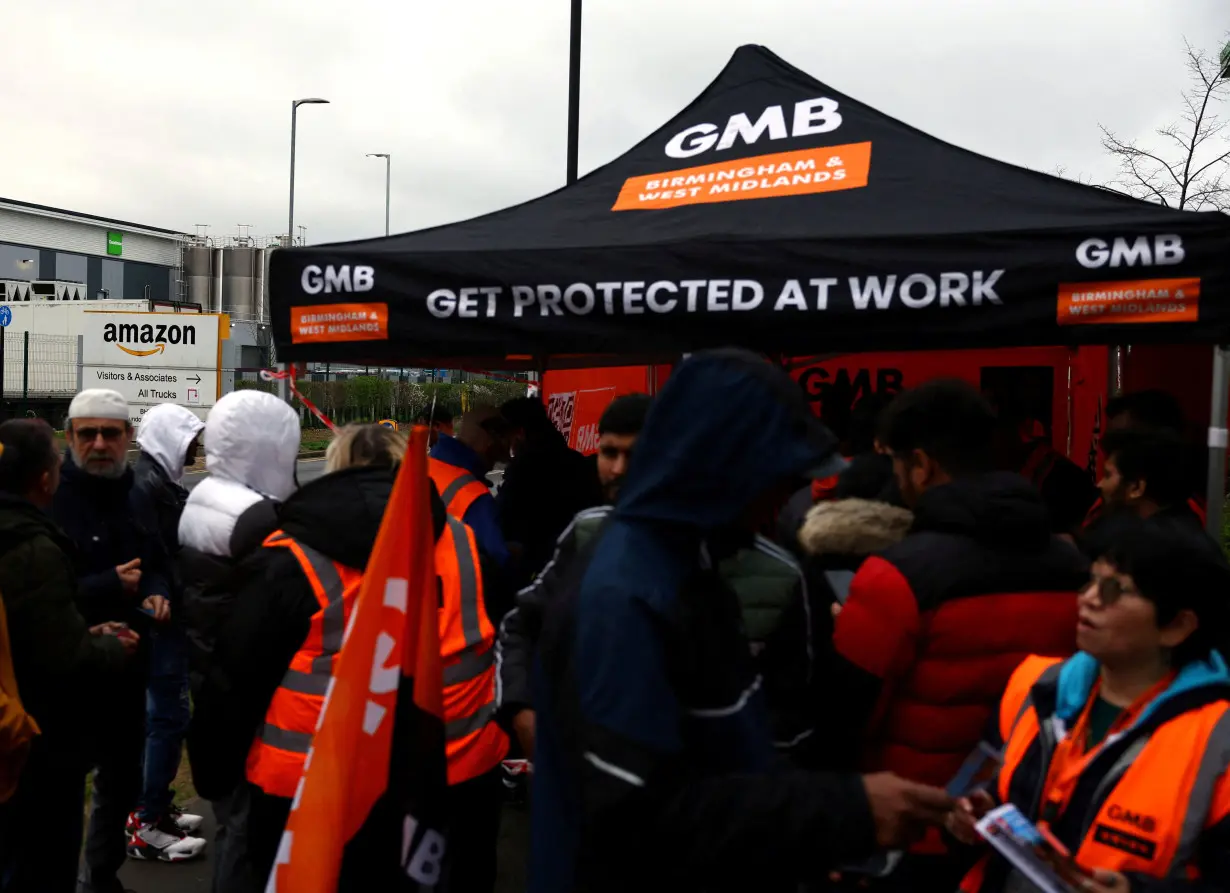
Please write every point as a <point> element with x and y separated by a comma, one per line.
<point>1121,752</point>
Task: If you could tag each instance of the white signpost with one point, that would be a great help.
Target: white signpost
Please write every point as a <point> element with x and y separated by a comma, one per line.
<point>154,358</point>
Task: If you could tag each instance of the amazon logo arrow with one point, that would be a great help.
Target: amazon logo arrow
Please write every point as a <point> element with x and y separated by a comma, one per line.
<point>157,348</point>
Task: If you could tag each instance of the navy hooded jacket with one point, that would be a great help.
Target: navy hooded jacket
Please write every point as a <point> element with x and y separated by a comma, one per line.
<point>111,522</point>
<point>655,766</point>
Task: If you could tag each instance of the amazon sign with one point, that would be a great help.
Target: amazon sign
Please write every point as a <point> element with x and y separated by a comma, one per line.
<point>147,339</point>
<point>154,358</point>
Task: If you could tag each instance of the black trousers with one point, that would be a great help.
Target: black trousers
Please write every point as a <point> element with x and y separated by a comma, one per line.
<point>40,826</point>
<point>250,826</point>
<point>472,814</point>
<point>118,753</point>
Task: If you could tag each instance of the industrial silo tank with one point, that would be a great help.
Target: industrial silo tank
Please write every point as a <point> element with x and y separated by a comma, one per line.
<point>262,284</point>
<point>239,269</point>
<point>199,271</point>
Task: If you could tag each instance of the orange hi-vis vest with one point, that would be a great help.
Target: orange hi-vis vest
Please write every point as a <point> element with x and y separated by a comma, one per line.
<point>275,761</point>
<point>474,743</point>
<point>1150,810</point>
<point>458,488</point>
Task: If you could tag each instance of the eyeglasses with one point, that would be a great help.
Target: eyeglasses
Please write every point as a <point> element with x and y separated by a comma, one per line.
<point>109,434</point>
<point>1111,589</point>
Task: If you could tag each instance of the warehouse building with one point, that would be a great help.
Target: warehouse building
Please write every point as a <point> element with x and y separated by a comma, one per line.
<point>56,254</point>
<point>51,255</point>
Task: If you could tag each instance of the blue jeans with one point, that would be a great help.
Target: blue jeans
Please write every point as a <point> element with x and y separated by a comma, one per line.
<point>167,716</point>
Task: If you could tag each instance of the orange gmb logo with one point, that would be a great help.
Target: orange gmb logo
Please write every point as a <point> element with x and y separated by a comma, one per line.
<point>1124,303</point>
<point>325,323</point>
<point>803,172</point>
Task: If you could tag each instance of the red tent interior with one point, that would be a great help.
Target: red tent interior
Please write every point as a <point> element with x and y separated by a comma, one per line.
<point>1070,386</point>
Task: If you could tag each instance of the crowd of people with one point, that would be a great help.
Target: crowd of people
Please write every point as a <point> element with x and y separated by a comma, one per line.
<point>740,650</point>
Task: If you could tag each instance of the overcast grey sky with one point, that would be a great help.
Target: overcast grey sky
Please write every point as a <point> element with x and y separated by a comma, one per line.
<point>175,114</point>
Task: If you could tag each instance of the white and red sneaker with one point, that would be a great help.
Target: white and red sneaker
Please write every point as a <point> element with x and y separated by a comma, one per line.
<point>163,841</point>
<point>184,821</point>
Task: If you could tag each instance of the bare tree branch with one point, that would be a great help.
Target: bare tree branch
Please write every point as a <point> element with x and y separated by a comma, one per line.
<point>1184,166</point>
<point>1220,159</point>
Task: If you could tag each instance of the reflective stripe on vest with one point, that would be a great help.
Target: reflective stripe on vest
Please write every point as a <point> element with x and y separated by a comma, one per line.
<point>458,488</point>
<point>1149,811</point>
<point>1215,764</point>
<point>276,758</point>
<point>475,745</point>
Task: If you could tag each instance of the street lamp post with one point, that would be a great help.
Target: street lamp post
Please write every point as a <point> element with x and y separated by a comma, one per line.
<point>388,179</point>
<point>294,114</point>
<point>574,91</point>
<point>284,384</point>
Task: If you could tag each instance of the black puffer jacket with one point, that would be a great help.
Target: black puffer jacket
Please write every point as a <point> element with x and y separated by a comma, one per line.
<point>210,583</point>
<point>166,434</point>
<point>544,487</point>
<point>59,665</point>
<point>339,516</point>
<point>165,495</point>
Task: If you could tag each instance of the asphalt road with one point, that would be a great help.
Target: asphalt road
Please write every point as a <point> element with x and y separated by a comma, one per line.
<point>306,470</point>
<point>197,876</point>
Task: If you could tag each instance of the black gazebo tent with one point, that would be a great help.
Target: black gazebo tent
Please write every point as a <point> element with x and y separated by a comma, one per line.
<point>777,214</point>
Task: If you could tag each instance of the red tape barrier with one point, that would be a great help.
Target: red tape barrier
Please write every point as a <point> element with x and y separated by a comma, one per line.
<point>289,376</point>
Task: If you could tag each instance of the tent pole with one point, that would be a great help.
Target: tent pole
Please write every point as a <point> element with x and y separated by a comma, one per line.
<point>1114,372</point>
<point>574,91</point>
<point>1216,494</point>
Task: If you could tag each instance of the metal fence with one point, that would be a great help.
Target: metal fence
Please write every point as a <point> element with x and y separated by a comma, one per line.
<point>39,365</point>
<point>45,369</point>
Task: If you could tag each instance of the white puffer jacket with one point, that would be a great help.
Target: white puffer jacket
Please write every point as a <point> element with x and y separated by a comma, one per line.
<point>251,447</point>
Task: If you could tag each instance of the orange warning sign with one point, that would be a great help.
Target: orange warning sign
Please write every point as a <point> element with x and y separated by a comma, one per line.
<point>325,323</point>
<point>766,176</point>
<point>1124,303</point>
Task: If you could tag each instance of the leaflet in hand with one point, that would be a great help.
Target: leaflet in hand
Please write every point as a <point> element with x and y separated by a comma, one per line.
<point>1033,852</point>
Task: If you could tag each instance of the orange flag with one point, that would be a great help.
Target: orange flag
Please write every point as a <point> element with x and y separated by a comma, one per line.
<point>367,808</point>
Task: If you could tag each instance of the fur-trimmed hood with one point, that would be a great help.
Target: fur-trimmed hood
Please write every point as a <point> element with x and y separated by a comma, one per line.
<point>853,527</point>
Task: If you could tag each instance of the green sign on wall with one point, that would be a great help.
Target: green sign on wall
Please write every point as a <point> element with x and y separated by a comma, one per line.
<point>115,243</point>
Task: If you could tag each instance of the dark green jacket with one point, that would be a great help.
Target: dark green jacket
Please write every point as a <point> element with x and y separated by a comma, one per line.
<point>765,578</point>
<point>56,660</point>
<point>772,591</point>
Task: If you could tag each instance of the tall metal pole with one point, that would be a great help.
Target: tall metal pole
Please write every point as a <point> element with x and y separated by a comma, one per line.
<point>284,383</point>
<point>290,225</point>
<point>574,91</point>
<point>1216,493</point>
<point>388,180</point>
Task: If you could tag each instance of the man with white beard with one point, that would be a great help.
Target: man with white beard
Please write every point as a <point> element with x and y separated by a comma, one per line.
<point>122,575</point>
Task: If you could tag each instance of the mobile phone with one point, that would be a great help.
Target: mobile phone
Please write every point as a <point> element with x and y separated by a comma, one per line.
<point>148,612</point>
<point>976,772</point>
